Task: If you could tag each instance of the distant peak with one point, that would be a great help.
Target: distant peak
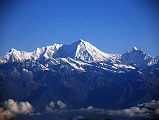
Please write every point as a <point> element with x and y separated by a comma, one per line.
<point>12,49</point>
<point>81,40</point>
<point>134,48</point>
<point>57,44</point>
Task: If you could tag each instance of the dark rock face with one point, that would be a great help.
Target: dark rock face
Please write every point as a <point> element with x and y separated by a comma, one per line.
<point>95,86</point>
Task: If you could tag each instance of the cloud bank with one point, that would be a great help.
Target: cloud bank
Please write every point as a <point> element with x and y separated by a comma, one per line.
<point>61,104</point>
<point>141,110</point>
<point>52,106</point>
<point>12,108</point>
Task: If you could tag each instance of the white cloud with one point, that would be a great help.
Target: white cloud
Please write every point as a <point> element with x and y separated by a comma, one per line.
<point>90,108</point>
<point>131,112</point>
<point>11,105</point>
<point>152,104</point>
<point>61,104</point>
<point>52,104</point>
<point>12,108</point>
<point>18,108</point>
<point>142,110</point>
<point>134,111</point>
<point>50,107</point>
<point>5,114</point>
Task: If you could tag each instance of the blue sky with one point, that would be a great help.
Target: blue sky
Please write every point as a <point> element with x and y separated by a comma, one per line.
<point>113,26</point>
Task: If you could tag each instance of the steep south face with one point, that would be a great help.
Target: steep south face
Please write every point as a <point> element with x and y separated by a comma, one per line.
<point>82,50</point>
<point>138,58</point>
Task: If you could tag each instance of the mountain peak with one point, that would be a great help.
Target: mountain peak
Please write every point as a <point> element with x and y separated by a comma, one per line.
<point>134,48</point>
<point>81,40</point>
<point>12,50</point>
<point>137,57</point>
<point>87,51</point>
<point>15,55</point>
<point>82,50</point>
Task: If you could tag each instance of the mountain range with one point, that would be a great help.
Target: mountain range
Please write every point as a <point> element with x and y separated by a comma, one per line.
<point>80,51</point>
<point>80,75</point>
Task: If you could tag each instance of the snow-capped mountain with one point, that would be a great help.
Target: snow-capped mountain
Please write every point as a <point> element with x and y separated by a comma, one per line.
<point>46,52</point>
<point>82,50</point>
<point>138,58</point>
<point>15,55</point>
<point>40,53</point>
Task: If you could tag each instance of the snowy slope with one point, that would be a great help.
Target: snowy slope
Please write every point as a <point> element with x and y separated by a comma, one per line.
<point>46,52</point>
<point>80,55</point>
<point>137,57</point>
<point>82,50</point>
<point>15,55</point>
<point>40,53</point>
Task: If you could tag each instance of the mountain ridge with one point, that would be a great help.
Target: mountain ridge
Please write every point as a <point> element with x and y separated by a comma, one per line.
<point>80,51</point>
